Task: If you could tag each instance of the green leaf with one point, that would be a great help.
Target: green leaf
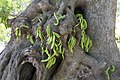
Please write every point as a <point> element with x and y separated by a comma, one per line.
<point>113,68</point>
<point>28,36</point>
<point>40,35</point>
<point>43,50</point>
<point>31,40</point>
<point>16,31</point>
<point>60,49</point>
<point>56,46</point>
<point>37,32</point>
<point>86,44</point>
<point>49,40</point>
<point>57,20</point>
<point>79,16</point>
<point>83,24</point>
<point>82,42</point>
<point>56,34</point>
<point>49,56</point>
<point>45,60</point>
<point>48,30</point>
<point>19,32</point>
<point>53,42</point>
<point>47,52</point>
<point>55,52</point>
<point>107,72</point>
<point>51,62</point>
<point>71,43</point>
<point>24,26</point>
<point>61,17</point>
<point>17,38</point>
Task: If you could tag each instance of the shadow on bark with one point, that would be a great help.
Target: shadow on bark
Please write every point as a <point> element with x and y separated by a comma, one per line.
<point>27,72</point>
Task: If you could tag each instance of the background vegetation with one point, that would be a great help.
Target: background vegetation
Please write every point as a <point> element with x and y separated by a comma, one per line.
<point>117,30</point>
<point>9,9</point>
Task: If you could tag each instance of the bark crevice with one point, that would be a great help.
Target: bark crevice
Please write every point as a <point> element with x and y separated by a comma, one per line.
<point>27,72</point>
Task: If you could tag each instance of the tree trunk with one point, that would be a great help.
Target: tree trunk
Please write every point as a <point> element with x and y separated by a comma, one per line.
<point>21,60</point>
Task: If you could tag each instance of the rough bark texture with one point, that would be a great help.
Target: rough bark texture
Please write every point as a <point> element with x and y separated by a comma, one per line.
<point>21,60</point>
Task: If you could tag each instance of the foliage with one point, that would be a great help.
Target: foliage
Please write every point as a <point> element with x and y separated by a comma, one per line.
<point>86,42</point>
<point>109,70</point>
<point>9,9</point>
<point>117,31</point>
<point>5,9</point>
<point>4,35</point>
<point>51,42</point>
<point>118,8</point>
<point>18,33</point>
<point>53,47</point>
<point>39,33</point>
<point>58,18</point>
<point>71,43</point>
